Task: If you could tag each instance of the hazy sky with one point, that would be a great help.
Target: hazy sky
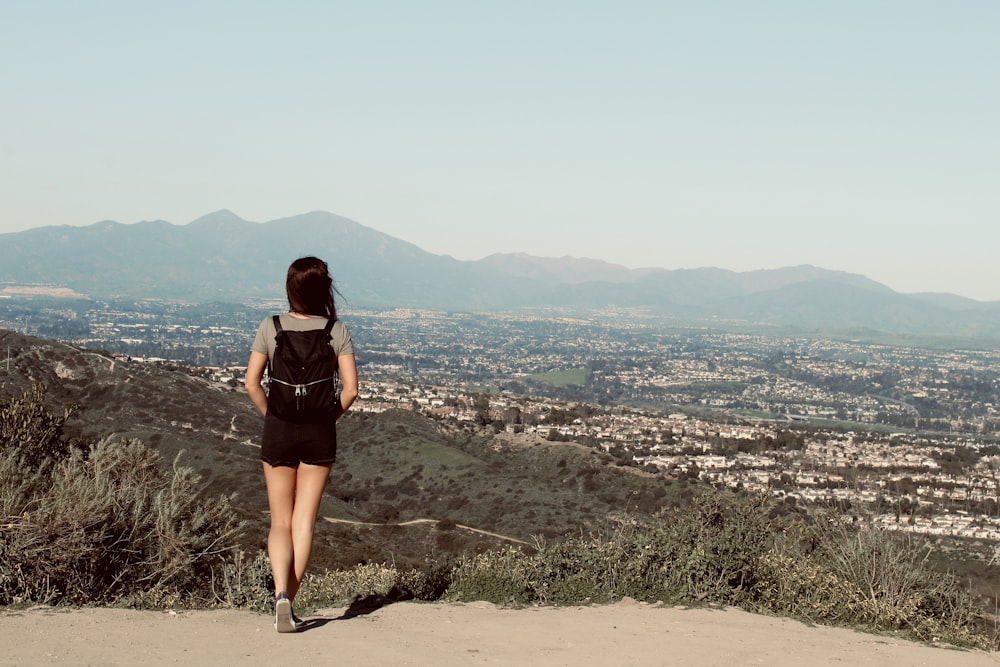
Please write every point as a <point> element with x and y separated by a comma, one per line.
<point>854,135</point>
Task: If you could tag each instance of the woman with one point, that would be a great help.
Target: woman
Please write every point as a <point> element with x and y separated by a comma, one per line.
<point>297,457</point>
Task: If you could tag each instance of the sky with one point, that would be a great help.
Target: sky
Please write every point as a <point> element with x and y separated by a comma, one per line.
<point>854,135</point>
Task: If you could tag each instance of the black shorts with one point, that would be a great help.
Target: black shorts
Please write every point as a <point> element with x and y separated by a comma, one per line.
<point>289,444</point>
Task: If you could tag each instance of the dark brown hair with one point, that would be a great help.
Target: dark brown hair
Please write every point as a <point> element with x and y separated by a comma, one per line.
<point>310,288</point>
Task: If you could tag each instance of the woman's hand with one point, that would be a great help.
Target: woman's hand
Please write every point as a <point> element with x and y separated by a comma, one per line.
<point>254,376</point>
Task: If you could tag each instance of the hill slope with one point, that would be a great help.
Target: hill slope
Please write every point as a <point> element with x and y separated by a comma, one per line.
<point>392,468</point>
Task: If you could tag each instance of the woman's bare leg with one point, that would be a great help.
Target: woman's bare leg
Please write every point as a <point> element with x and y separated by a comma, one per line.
<point>309,485</point>
<point>280,482</point>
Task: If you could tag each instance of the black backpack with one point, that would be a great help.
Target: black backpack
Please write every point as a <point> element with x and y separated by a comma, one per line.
<point>303,375</point>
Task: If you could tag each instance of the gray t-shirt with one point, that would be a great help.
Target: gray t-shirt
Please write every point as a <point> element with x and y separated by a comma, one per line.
<point>340,341</point>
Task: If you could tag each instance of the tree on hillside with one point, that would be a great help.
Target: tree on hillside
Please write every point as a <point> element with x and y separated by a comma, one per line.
<point>30,428</point>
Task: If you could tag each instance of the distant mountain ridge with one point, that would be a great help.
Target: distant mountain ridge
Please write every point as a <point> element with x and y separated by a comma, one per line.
<point>222,257</point>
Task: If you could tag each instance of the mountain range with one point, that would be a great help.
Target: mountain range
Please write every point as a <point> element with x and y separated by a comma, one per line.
<point>222,257</point>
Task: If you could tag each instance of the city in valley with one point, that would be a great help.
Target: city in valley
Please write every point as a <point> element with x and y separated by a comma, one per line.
<point>905,430</point>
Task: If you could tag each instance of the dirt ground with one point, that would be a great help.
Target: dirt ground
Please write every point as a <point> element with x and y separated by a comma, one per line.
<point>627,633</point>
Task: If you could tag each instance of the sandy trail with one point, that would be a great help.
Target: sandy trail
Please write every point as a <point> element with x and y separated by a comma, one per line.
<point>627,633</point>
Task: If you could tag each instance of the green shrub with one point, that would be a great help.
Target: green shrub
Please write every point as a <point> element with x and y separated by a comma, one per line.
<point>18,484</point>
<point>709,552</point>
<point>721,550</point>
<point>111,525</point>
<point>369,582</point>
<point>30,429</point>
<point>797,586</point>
<point>893,586</point>
<point>503,577</point>
<point>716,546</point>
<point>246,583</point>
<point>869,577</point>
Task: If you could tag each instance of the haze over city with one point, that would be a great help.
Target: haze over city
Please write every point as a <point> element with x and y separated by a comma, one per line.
<point>852,136</point>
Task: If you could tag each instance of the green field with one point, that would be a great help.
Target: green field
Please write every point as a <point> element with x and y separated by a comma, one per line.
<point>564,378</point>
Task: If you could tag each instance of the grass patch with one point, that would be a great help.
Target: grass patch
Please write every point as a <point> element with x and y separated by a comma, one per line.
<point>564,378</point>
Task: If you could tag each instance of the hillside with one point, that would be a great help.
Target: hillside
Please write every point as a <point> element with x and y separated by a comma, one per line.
<point>393,468</point>
<point>221,257</point>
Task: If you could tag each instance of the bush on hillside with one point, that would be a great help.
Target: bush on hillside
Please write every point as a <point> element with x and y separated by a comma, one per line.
<point>103,524</point>
<point>30,429</point>
<point>114,525</point>
<point>874,578</point>
<point>721,550</point>
<point>246,583</point>
<point>372,584</point>
<point>892,585</point>
<point>710,551</point>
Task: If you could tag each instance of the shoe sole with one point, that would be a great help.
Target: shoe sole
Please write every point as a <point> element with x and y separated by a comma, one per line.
<point>283,617</point>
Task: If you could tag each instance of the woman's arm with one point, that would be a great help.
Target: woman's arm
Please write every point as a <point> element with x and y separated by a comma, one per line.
<point>255,373</point>
<point>348,382</point>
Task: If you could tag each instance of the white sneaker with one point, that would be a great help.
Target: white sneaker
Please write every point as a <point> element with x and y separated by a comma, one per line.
<point>283,615</point>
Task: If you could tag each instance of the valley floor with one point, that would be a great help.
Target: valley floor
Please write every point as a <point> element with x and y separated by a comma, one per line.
<point>627,633</point>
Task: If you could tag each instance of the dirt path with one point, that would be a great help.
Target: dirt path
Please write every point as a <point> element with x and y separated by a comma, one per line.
<point>415,522</point>
<point>627,633</point>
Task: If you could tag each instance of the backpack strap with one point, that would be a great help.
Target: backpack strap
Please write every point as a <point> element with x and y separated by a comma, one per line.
<point>328,330</point>
<point>277,339</point>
